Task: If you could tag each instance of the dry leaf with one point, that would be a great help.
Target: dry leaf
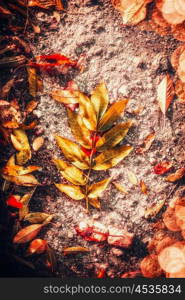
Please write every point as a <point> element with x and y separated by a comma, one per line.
<point>96,189</point>
<point>24,180</point>
<point>132,177</point>
<point>21,143</point>
<point>38,143</point>
<point>176,176</point>
<point>120,188</point>
<point>111,158</point>
<point>146,144</point>
<point>112,114</point>
<point>94,202</point>
<point>95,231</point>
<point>100,100</point>
<point>152,211</point>
<point>165,93</point>
<point>162,167</point>
<point>75,249</point>
<point>27,234</point>
<point>112,137</point>
<point>25,203</point>
<point>31,106</point>
<point>87,112</point>
<point>37,246</point>
<point>66,96</point>
<point>36,217</point>
<point>73,153</point>
<point>69,172</point>
<point>6,88</point>
<point>72,191</point>
<point>35,83</point>
<point>144,188</point>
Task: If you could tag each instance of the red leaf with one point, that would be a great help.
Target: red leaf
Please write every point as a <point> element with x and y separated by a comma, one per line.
<point>88,152</point>
<point>12,201</point>
<point>162,167</point>
<point>47,62</point>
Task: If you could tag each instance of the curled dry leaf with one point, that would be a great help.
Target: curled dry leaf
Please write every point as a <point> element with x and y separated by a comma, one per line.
<point>27,234</point>
<point>150,267</point>
<point>72,191</point>
<point>132,177</point>
<point>176,176</point>
<point>172,259</point>
<point>38,143</point>
<point>71,173</point>
<point>37,246</point>
<point>165,93</point>
<point>120,188</point>
<point>111,158</point>
<point>152,211</point>
<point>25,204</point>
<point>75,249</point>
<point>162,167</point>
<point>145,146</point>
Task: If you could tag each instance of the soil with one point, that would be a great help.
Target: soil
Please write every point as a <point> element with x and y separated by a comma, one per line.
<point>131,63</point>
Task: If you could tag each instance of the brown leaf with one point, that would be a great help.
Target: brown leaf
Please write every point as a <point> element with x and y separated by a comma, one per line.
<point>72,191</point>
<point>94,202</point>
<point>38,143</point>
<point>165,93</point>
<point>111,158</point>
<point>120,188</point>
<point>176,176</point>
<point>120,237</point>
<point>100,100</point>
<point>36,217</point>
<point>75,249</point>
<point>71,173</point>
<point>146,144</point>
<point>152,211</point>
<point>31,106</point>
<point>73,153</point>
<point>27,234</point>
<point>96,189</point>
<point>144,188</point>
<point>112,114</point>
<point>112,137</point>
<point>37,246</point>
<point>14,61</point>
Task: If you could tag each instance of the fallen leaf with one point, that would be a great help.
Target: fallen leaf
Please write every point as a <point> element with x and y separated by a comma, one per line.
<point>27,234</point>
<point>38,143</point>
<point>96,189</point>
<point>132,177</point>
<point>47,62</point>
<point>176,176</point>
<point>73,153</point>
<point>21,143</point>
<point>36,217</point>
<point>152,211</point>
<point>162,167</point>
<point>111,158</point>
<point>66,96</point>
<point>69,172</point>
<point>95,231</point>
<point>72,191</point>
<point>24,180</point>
<point>25,204</point>
<point>165,93</point>
<point>112,137</point>
<point>146,143</point>
<point>37,246</point>
<point>101,273</point>
<point>94,202</point>
<point>112,114</point>
<point>144,188</point>
<point>120,188</point>
<point>35,83</point>
<point>75,249</point>
<point>14,61</point>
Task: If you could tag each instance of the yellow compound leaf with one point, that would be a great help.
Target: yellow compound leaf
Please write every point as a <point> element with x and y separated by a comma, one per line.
<point>112,137</point>
<point>96,189</point>
<point>112,114</point>
<point>111,158</point>
<point>69,172</point>
<point>73,153</point>
<point>72,191</point>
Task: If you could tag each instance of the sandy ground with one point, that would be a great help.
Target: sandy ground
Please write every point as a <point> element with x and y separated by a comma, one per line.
<point>131,63</point>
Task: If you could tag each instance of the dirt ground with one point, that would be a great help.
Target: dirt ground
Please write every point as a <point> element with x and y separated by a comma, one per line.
<point>131,63</point>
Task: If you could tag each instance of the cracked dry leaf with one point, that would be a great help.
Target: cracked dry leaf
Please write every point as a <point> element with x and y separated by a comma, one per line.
<point>120,188</point>
<point>79,130</point>
<point>113,137</point>
<point>112,114</point>
<point>96,189</point>
<point>36,217</point>
<point>37,246</point>
<point>20,142</point>
<point>73,153</point>
<point>176,176</point>
<point>132,177</point>
<point>72,191</point>
<point>111,158</point>
<point>152,211</point>
<point>71,173</point>
<point>27,234</point>
<point>132,11</point>
<point>100,100</point>
<point>75,249</point>
<point>165,93</point>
